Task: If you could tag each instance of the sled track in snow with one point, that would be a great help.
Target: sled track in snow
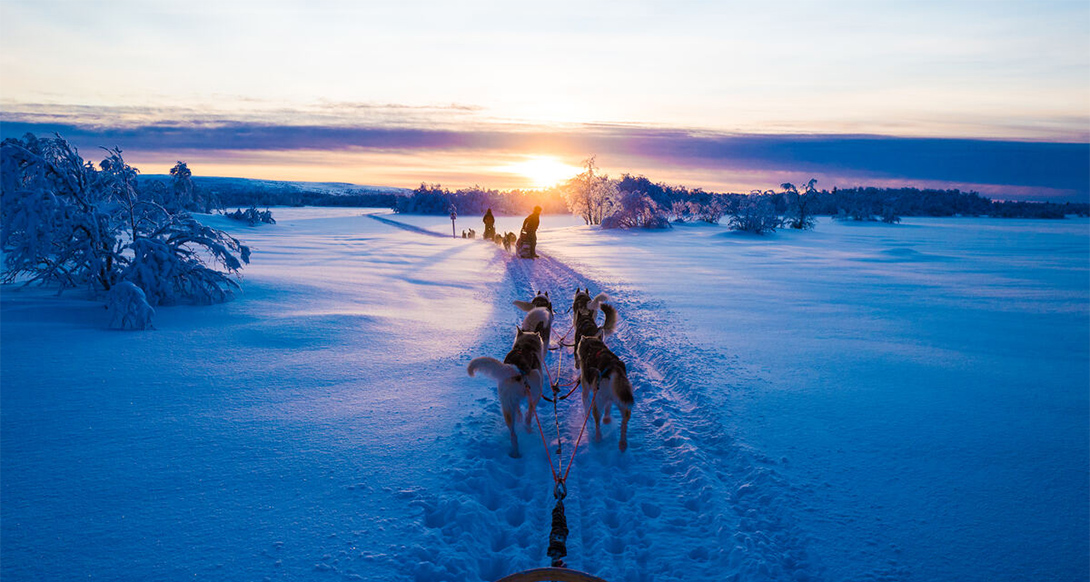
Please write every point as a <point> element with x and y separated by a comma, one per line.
<point>685,502</point>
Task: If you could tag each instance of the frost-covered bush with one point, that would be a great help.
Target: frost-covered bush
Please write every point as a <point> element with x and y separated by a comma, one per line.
<point>682,211</point>
<point>171,266</point>
<point>636,210</point>
<point>128,307</point>
<point>711,211</point>
<point>889,215</point>
<point>252,216</point>
<point>756,215</point>
<point>800,214</point>
<point>65,222</point>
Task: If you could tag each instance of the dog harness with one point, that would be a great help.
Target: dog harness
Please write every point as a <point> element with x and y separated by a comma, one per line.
<point>524,356</point>
<point>600,358</point>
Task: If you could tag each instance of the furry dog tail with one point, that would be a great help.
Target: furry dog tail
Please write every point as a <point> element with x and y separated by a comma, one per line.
<point>610,323</point>
<point>492,368</point>
<point>597,301</point>
<point>536,320</point>
<point>524,305</point>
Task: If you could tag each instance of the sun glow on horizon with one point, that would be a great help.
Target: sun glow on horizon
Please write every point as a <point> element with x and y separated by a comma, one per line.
<point>542,171</point>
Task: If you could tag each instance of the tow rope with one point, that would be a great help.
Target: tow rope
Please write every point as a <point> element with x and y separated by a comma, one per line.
<point>558,535</point>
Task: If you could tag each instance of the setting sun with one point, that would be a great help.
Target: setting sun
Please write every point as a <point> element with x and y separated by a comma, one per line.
<point>542,171</point>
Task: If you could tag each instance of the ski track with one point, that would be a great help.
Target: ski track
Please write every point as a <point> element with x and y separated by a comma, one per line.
<point>685,502</point>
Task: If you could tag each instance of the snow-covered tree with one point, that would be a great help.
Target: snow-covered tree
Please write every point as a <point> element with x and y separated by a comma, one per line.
<point>711,211</point>
<point>57,224</point>
<point>799,215</point>
<point>62,221</point>
<point>637,210</point>
<point>181,184</point>
<point>590,196</point>
<point>756,214</point>
<point>170,264</point>
<point>252,216</point>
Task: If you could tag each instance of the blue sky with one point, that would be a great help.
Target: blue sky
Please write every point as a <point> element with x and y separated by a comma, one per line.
<point>269,87</point>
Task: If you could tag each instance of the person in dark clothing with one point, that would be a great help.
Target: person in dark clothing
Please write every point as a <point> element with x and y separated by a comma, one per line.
<point>489,225</point>
<point>529,230</point>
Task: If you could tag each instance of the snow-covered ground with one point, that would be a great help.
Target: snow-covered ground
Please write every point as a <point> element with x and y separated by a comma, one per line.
<point>860,402</point>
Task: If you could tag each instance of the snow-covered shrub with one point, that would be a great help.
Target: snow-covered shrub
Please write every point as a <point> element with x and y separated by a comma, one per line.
<point>756,215</point>
<point>636,210</point>
<point>171,265</point>
<point>711,211</point>
<point>65,222</point>
<point>252,216</point>
<point>889,215</point>
<point>799,214</point>
<point>128,307</point>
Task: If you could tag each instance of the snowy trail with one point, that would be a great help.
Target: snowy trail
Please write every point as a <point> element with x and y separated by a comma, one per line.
<point>684,503</point>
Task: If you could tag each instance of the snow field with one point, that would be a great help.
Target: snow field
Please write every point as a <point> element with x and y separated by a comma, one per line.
<point>861,402</point>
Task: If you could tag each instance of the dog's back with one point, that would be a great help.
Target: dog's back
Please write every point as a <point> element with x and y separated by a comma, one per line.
<point>527,352</point>
<point>604,378</point>
<point>585,312</point>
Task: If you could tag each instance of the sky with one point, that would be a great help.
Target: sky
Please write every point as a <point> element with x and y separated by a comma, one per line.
<point>727,96</point>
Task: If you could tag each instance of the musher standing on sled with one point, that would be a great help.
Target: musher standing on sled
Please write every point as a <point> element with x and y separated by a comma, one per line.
<point>529,231</point>
<point>489,225</point>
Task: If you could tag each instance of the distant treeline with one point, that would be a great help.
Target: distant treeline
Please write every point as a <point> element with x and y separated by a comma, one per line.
<point>434,199</point>
<point>246,193</point>
<point>854,203</point>
<point>861,203</point>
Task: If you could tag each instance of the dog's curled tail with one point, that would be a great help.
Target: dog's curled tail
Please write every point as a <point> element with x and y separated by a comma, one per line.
<point>536,320</point>
<point>610,323</point>
<point>597,301</point>
<point>523,305</point>
<point>492,368</point>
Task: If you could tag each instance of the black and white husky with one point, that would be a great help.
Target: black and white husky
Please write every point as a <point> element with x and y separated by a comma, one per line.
<point>519,376</point>
<point>604,380</point>
<point>540,301</point>
<point>585,317</point>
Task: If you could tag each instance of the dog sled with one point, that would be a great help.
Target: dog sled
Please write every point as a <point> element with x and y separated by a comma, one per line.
<point>550,575</point>
<point>522,247</point>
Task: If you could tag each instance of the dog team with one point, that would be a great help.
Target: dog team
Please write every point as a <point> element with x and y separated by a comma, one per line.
<point>521,375</point>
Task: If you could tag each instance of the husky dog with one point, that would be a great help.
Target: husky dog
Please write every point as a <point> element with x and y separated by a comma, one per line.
<point>540,321</point>
<point>604,380</point>
<point>540,301</point>
<point>585,316</point>
<point>519,376</point>
<point>583,302</point>
<point>509,241</point>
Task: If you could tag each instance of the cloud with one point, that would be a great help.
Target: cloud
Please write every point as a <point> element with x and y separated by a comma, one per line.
<point>1056,169</point>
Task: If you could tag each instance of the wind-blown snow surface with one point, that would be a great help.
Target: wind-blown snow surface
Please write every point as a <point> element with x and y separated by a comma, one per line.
<point>859,402</point>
